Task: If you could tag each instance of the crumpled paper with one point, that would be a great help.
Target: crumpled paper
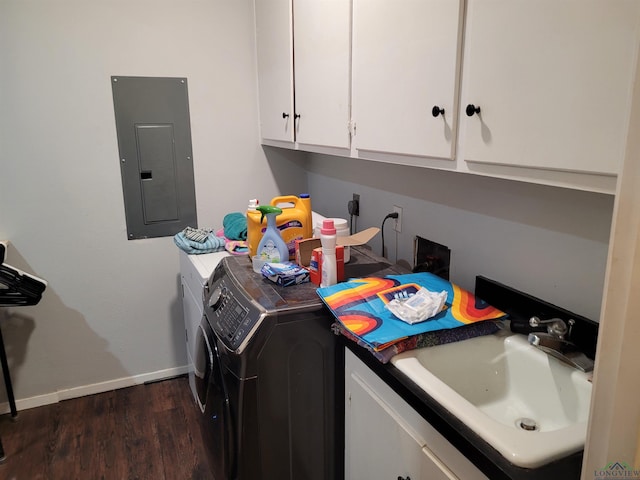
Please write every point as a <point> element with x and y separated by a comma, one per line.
<point>418,307</point>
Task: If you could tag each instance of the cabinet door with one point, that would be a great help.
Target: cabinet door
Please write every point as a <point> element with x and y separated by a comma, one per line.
<point>432,468</point>
<point>275,69</point>
<point>385,438</point>
<point>405,57</point>
<point>379,445</point>
<point>552,80</point>
<point>322,38</point>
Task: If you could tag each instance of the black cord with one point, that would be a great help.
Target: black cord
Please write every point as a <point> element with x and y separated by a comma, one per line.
<point>389,215</point>
<point>353,206</point>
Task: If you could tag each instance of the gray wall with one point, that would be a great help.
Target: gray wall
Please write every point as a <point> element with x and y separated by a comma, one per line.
<point>549,242</point>
<point>112,313</point>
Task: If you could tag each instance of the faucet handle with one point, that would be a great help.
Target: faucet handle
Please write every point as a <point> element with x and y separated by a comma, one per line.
<point>555,326</point>
<point>571,323</point>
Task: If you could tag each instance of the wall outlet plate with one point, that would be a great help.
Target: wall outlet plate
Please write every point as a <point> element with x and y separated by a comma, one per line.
<point>397,226</point>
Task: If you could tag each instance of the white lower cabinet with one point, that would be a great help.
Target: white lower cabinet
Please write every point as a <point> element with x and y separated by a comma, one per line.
<point>385,439</point>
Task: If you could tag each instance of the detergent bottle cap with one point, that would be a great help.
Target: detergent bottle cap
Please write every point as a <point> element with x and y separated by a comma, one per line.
<point>328,228</point>
<point>253,204</point>
<point>267,210</point>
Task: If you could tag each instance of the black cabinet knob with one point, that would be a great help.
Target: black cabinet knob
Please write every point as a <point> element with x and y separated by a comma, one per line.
<point>296,115</point>
<point>285,115</point>
<point>436,110</point>
<point>403,478</point>
<point>471,109</point>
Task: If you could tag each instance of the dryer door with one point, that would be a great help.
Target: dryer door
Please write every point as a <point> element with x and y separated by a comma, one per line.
<point>217,424</point>
<point>202,362</point>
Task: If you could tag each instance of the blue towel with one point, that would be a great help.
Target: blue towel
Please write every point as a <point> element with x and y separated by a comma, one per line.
<point>211,244</point>
<point>235,226</point>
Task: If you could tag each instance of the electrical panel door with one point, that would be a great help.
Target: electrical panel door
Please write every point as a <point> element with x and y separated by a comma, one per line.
<point>156,163</point>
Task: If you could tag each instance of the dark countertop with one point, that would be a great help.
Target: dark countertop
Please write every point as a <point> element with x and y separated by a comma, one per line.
<point>272,297</point>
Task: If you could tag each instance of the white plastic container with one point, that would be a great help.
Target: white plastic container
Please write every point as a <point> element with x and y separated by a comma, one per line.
<point>329,274</point>
<point>342,230</point>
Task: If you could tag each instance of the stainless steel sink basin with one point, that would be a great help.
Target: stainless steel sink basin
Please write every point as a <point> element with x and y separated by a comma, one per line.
<point>529,406</point>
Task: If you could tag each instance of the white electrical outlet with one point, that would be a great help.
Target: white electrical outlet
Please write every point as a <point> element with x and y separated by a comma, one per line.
<point>397,226</point>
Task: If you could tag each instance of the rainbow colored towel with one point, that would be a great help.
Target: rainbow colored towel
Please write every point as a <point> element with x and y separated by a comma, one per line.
<point>359,305</point>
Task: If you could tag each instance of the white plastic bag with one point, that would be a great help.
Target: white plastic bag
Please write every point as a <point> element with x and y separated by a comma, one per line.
<point>419,307</point>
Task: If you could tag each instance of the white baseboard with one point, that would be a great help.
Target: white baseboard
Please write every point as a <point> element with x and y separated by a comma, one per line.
<point>66,394</point>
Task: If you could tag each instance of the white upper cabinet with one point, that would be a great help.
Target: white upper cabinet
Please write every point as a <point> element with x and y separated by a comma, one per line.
<point>274,45</point>
<point>322,47</point>
<point>308,104</point>
<point>552,79</point>
<point>405,58</point>
<point>532,90</point>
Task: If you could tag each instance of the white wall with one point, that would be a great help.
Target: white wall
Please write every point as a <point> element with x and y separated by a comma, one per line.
<point>549,242</point>
<point>112,308</point>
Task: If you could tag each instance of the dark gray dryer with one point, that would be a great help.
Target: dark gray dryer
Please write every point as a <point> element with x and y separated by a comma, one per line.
<point>270,376</point>
<point>266,378</point>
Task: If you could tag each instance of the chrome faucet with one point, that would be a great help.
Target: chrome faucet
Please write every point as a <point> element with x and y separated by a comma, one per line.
<point>554,343</point>
<point>555,326</point>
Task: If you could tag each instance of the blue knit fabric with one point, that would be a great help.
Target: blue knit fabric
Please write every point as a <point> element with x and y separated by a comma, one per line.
<point>235,226</point>
<point>211,244</point>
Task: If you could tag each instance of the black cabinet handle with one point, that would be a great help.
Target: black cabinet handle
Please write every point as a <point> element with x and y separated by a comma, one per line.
<point>436,110</point>
<point>285,115</point>
<point>471,109</point>
<point>403,478</point>
<point>296,116</point>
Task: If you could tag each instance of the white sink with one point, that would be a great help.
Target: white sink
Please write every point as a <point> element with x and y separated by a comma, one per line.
<point>498,385</point>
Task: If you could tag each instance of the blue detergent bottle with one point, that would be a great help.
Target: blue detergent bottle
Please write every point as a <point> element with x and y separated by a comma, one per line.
<point>272,247</point>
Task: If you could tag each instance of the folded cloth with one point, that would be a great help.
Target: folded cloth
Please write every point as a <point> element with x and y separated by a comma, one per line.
<point>196,234</point>
<point>237,247</point>
<point>235,226</point>
<point>428,339</point>
<point>209,245</point>
<point>359,305</point>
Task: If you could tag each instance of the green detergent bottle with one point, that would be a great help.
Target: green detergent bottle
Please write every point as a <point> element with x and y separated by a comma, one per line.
<point>272,247</point>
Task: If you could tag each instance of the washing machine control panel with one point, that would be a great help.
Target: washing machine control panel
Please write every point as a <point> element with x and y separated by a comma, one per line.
<point>229,319</point>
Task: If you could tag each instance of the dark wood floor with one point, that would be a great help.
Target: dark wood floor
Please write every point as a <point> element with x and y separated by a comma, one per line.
<point>142,432</point>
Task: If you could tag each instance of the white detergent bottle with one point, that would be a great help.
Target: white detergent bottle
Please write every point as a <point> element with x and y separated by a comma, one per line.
<point>271,247</point>
<point>329,274</point>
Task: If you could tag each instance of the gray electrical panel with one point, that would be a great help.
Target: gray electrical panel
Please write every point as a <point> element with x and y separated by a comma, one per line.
<point>156,163</point>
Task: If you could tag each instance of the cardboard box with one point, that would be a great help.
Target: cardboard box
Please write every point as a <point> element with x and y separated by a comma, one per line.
<point>305,246</point>
<point>309,252</point>
<point>303,250</point>
<point>315,266</point>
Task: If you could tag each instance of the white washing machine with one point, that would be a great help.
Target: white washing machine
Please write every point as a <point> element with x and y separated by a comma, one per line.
<point>194,273</point>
